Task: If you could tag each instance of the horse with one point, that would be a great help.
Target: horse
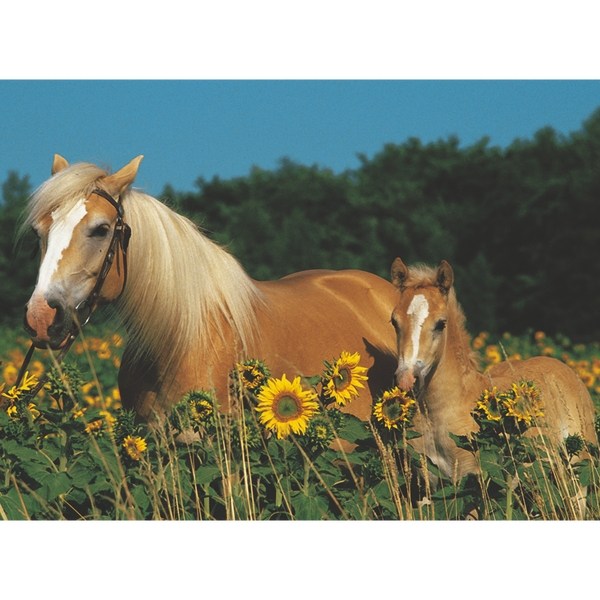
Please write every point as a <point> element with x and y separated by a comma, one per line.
<point>189,309</point>
<point>438,367</point>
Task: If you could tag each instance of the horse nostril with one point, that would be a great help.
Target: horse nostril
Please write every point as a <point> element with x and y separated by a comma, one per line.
<point>31,332</point>
<point>59,317</point>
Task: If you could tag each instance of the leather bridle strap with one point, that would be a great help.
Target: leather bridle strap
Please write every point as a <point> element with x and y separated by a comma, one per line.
<point>121,235</point>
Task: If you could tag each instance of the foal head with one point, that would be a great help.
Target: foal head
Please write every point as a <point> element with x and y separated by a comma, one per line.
<point>74,238</point>
<point>420,319</point>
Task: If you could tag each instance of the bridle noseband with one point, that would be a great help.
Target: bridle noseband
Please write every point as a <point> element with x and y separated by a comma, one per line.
<point>120,238</point>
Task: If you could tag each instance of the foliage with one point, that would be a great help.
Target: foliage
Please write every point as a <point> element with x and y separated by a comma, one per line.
<point>61,458</point>
<point>518,225</point>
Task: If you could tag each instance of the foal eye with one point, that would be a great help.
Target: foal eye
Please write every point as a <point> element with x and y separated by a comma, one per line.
<point>440,325</point>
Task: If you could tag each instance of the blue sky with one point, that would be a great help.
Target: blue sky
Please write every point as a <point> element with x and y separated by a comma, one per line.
<point>191,128</point>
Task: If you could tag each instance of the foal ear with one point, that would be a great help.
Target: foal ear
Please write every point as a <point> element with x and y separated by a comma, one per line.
<point>118,182</point>
<point>399,273</point>
<point>444,277</point>
<point>59,164</point>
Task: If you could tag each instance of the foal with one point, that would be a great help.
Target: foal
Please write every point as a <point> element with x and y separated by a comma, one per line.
<point>436,363</point>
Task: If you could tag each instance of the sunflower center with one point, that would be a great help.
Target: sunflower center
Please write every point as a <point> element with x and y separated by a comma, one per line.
<point>393,411</point>
<point>287,408</point>
<point>343,379</point>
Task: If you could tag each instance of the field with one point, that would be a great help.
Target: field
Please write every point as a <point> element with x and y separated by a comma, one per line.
<point>73,453</point>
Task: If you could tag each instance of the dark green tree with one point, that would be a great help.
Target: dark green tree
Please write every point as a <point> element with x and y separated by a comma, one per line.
<point>18,270</point>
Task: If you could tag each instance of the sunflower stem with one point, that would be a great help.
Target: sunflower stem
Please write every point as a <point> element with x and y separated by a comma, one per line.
<point>509,508</point>
<point>306,472</point>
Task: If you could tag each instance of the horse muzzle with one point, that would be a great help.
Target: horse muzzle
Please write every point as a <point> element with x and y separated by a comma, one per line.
<point>48,324</point>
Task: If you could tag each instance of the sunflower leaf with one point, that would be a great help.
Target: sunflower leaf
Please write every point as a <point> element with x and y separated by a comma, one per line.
<point>354,429</point>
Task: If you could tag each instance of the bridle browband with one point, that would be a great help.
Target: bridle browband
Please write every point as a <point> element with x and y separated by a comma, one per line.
<point>83,311</point>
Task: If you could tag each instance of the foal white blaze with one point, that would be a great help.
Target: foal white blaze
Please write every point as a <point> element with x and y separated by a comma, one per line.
<point>418,310</point>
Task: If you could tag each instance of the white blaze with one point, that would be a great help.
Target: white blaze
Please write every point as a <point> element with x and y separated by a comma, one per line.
<point>419,309</point>
<point>59,238</point>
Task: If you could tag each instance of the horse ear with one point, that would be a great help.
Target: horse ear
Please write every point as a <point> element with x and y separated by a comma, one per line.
<point>399,273</point>
<point>444,277</point>
<point>118,182</point>
<point>59,164</point>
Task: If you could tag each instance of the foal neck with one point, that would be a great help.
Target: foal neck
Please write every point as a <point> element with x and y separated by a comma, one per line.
<point>455,371</point>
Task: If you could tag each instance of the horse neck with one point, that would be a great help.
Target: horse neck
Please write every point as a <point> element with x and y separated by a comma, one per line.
<point>181,286</point>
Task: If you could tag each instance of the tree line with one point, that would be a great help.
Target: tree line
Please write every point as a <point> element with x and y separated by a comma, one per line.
<point>520,226</point>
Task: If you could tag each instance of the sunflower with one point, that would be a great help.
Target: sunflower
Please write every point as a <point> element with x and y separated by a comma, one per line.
<point>27,384</point>
<point>285,407</point>
<point>523,402</point>
<point>492,354</point>
<point>253,374</point>
<point>134,446</point>
<point>195,410</point>
<point>201,406</point>
<point>489,405</point>
<point>395,407</point>
<point>344,377</point>
<point>320,431</point>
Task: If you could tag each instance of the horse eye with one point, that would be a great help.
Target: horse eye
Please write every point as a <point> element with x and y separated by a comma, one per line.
<point>440,325</point>
<point>100,232</point>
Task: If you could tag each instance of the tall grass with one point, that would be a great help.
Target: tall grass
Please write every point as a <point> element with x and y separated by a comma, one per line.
<point>73,453</point>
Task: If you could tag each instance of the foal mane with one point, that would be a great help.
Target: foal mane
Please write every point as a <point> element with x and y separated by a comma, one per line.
<point>421,275</point>
<point>181,286</point>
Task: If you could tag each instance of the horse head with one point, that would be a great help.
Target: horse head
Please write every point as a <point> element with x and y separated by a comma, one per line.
<point>75,237</point>
<point>420,319</point>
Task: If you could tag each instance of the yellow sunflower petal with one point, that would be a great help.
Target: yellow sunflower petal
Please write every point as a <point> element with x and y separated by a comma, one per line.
<point>285,407</point>
<point>345,378</point>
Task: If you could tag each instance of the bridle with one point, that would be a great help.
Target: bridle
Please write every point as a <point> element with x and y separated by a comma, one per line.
<point>121,235</point>
<point>83,311</point>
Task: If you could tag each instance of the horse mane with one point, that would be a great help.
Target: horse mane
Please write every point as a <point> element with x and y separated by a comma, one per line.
<point>421,275</point>
<point>181,286</point>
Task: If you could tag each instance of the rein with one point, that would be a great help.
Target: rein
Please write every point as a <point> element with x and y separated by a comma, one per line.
<point>120,238</point>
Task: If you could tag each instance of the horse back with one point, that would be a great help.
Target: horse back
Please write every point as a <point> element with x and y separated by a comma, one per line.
<point>568,406</point>
<point>313,316</point>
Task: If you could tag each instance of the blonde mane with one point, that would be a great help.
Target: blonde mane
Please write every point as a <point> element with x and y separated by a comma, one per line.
<point>181,285</point>
<point>421,275</point>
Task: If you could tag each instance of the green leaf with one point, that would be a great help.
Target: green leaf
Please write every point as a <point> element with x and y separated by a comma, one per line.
<point>207,474</point>
<point>312,381</point>
<point>462,441</point>
<point>53,485</point>
<point>13,506</point>
<point>354,430</point>
<point>308,508</point>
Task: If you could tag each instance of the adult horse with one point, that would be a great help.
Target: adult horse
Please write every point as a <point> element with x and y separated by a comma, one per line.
<point>436,363</point>
<point>189,309</point>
